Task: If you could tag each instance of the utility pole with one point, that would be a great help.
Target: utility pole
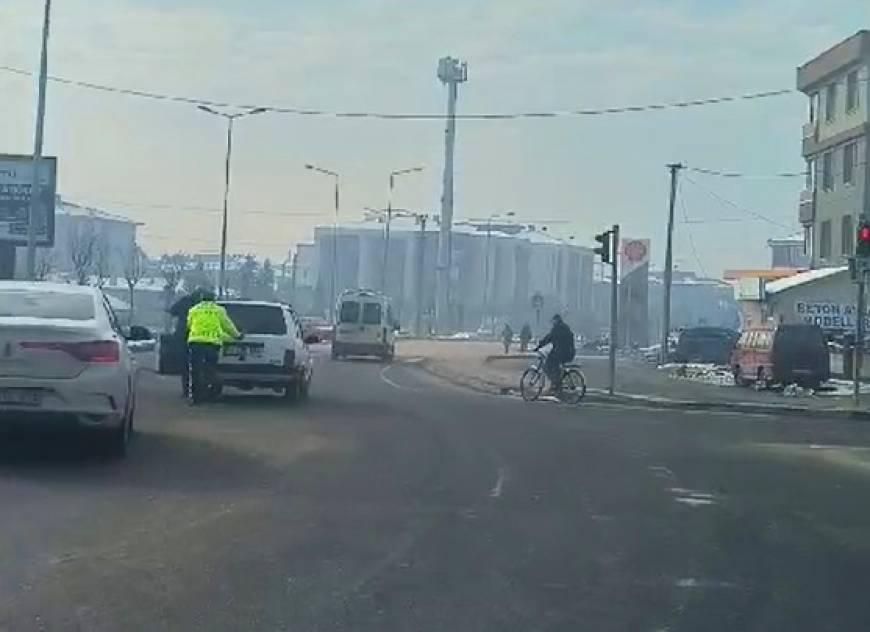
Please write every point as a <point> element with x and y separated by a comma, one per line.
<point>293,277</point>
<point>421,262</point>
<point>669,263</point>
<point>37,147</point>
<point>451,72</point>
<point>614,320</point>
<point>861,260</point>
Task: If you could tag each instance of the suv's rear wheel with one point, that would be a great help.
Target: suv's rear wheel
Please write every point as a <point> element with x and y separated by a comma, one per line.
<point>293,391</point>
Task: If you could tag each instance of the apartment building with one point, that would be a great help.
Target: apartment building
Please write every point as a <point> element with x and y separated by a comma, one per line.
<point>835,145</point>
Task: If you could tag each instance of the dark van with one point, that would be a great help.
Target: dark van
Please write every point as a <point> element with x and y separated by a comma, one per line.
<point>705,345</point>
<point>787,354</point>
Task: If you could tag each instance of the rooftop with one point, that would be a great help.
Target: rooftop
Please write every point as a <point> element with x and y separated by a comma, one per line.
<point>781,285</point>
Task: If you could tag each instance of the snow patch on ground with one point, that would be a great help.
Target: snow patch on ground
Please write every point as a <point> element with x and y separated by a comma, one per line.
<point>703,373</point>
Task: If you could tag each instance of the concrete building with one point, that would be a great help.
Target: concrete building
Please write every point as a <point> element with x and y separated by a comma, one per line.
<point>111,237</point>
<point>496,269</point>
<point>835,147</point>
<point>789,252</point>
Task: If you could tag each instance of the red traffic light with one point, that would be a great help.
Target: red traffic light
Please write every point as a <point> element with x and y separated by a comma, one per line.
<point>864,234</point>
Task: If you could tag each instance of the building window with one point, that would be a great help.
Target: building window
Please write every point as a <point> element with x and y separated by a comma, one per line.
<point>852,91</point>
<point>811,174</point>
<point>827,171</point>
<point>808,240</point>
<point>850,151</point>
<point>825,240</point>
<point>831,102</point>
<point>847,235</point>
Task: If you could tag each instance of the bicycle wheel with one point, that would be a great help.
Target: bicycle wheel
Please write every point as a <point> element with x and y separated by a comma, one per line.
<point>573,386</point>
<point>531,384</point>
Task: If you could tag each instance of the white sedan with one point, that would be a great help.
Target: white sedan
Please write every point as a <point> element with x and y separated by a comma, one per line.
<point>64,358</point>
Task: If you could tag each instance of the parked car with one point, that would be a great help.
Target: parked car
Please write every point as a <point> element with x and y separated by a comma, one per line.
<point>273,353</point>
<point>787,354</point>
<point>365,325</point>
<point>64,358</point>
<point>705,345</point>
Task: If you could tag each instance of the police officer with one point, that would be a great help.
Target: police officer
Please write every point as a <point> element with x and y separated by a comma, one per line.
<point>208,326</point>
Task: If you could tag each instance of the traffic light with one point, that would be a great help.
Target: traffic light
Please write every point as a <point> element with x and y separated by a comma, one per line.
<point>862,247</point>
<point>605,249</point>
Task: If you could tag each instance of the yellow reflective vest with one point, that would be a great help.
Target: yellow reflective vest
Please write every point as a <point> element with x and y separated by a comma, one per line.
<point>208,322</point>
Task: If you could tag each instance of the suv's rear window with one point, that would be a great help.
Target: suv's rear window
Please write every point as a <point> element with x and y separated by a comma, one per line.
<point>349,312</point>
<point>257,319</point>
<point>371,313</point>
<point>45,304</point>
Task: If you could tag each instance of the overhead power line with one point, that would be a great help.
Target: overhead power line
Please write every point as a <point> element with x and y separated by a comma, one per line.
<point>701,268</point>
<point>406,116</point>
<point>736,206</point>
<point>139,206</point>
<point>734,174</point>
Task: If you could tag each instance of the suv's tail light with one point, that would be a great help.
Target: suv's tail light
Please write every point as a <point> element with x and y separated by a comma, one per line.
<point>96,352</point>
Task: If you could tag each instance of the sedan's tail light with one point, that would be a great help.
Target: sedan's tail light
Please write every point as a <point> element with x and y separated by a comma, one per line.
<point>96,352</point>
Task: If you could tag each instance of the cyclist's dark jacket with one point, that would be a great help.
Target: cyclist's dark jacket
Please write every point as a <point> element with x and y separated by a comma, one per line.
<point>562,339</point>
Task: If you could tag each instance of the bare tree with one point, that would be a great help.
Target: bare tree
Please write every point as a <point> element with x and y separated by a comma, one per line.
<point>102,265</point>
<point>82,250</point>
<point>44,263</point>
<point>134,268</point>
<point>172,269</point>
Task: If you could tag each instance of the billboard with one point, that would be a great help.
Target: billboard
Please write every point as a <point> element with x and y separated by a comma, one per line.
<point>634,292</point>
<point>633,254</point>
<point>16,173</point>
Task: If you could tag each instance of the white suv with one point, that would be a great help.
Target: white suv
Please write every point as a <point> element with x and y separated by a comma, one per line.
<point>273,353</point>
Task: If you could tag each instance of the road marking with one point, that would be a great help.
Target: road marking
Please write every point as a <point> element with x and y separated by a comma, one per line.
<point>498,488</point>
<point>391,382</point>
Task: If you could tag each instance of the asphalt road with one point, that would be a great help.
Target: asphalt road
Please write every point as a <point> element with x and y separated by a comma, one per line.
<point>393,501</point>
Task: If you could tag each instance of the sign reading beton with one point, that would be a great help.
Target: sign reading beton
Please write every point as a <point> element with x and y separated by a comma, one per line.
<point>827,315</point>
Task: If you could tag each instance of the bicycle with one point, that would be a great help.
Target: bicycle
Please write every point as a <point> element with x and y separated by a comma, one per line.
<point>534,378</point>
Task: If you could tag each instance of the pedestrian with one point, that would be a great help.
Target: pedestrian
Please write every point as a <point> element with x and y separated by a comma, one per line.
<point>507,337</point>
<point>208,326</point>
<point>525,337</point>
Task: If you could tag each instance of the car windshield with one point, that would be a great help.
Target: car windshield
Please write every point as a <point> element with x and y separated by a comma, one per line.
<point>46,304</point>
<point>371,314</point>
<point>257,319</point>
<point>349,312</point>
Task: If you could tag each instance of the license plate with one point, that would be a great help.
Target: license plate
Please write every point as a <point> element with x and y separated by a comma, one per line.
<point>242,351</point>
<point>20,397</point>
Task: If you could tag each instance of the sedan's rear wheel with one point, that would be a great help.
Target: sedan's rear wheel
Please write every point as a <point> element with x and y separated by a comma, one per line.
<point>118,439</point>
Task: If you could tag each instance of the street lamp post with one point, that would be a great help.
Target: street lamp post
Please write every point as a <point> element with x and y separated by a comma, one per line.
<point>385,266</point>
<point>230,118</point>
<point>332,277</point>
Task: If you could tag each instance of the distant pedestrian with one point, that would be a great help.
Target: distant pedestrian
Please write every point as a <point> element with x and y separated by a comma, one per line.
<point>525,337</point>
<point>507,337</point>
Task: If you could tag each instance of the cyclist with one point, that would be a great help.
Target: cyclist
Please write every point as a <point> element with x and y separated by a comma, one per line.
<point>562,340</point>
<point>208,327</point>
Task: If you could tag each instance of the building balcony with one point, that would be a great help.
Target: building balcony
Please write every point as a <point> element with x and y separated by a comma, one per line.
<point>810,130</point>
<point>807,206</point>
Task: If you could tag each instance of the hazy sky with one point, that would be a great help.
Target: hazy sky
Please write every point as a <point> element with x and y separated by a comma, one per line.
<point>124,154</point>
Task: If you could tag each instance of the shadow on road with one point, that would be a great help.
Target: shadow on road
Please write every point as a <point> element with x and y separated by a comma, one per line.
<point>155,460</point>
